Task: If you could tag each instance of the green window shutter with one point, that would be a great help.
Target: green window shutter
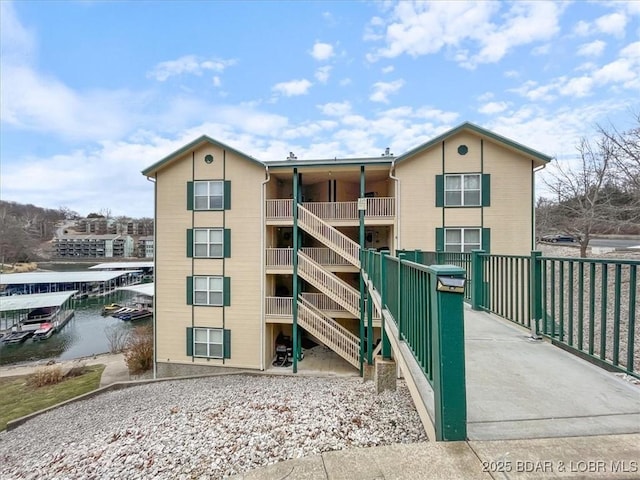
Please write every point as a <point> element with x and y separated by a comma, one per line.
<point>486,190</point>
<point>226,345</point>
<point>486,240</point>
<point>189,342</point>
<point>189,195</point>
<point>227,195</point>
<point>226,294</point>
<point>189,290</point>
<point>439,190</point>
<point>227,243</point>
<point>439,239</point>
<point>189,242</point>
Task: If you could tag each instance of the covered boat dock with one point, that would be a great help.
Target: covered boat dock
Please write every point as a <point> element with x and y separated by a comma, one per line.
<point>86,283</point>
<point>28,312</point>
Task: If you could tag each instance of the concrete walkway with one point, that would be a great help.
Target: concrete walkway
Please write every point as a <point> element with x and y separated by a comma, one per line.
<point>613,456</point>
<point>522,389</point>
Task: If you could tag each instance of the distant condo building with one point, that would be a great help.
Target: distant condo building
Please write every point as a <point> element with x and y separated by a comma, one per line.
<point>93,246</point>
<point>145,247</point>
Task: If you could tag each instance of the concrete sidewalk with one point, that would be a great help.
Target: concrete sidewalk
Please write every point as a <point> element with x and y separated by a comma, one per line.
<point>518,388</point>
<point>613,456</point>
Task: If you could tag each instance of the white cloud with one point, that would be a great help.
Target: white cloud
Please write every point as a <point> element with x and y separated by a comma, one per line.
<point>382,90</point>
<point>582,28</point>
<point>335,108</point>
<point>345,81</point>
<point>621,72</point>
<point>388,69</point>
<point>624,70</point>
<point>322,73</point>
<point>17,43</point>
<point>216,81</point>
<point>577,87</point>
<point>493,108</point>
<point>322,51</point>
<point>592,49</point>
<point>190,64</point>
<point>32,101</point>
<point>293,88</point>
<point>422,28</point>
<point>612,24</point>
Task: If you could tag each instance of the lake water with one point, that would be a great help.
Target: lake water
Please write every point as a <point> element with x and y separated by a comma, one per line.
<point>84,335</point>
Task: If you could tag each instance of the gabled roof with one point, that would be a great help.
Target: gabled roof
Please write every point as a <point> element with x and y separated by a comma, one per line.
<point>190,146</point>
<point>468,126</point>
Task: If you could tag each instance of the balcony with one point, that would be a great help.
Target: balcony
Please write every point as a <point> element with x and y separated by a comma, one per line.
<point>278,310</point>
<point>380,211</point>
<point>280,260</point>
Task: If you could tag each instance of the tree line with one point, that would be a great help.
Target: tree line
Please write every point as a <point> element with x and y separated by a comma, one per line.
<point>24,228</point>
<point>597,192</point>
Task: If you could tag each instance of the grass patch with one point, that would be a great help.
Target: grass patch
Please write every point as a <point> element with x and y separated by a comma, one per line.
<point>18,398</point>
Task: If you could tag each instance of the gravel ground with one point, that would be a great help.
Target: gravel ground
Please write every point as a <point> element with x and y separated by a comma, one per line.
<point>206,428</point>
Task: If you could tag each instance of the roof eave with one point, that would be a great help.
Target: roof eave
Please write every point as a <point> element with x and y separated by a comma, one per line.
<point>534,154</point>
<point>151,170</point>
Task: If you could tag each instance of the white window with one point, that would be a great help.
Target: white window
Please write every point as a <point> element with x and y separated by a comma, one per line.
<point>209,195</point>
<point>208,342</point>
<point>208,242</point>
<point>461,239</point>
<point>208,291</point>
<point>462,190</point>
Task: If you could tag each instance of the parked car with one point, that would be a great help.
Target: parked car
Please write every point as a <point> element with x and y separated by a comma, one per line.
<point>560,237</point>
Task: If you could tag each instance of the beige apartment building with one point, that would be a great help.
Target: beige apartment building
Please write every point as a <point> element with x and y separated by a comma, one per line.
<point>249,252</point>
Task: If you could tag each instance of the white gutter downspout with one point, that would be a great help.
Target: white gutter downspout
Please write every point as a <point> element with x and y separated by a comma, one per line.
<point>533,207</point>
<point>397,180</point>
<point>263,268</point>
<point>155,230</point>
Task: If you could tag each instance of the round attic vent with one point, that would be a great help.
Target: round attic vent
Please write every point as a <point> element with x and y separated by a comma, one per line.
<point>208,159</point>
<point>463,149</point>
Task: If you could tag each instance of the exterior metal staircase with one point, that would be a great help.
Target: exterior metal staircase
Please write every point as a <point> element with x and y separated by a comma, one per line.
<point>330,332</point>
<point>311,318</point>
<point>338,290</point>
<point>328,235</point>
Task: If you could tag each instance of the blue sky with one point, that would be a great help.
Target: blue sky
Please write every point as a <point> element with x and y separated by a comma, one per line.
<point>92,92</point>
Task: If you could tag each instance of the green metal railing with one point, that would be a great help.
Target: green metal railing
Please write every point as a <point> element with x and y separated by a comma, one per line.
<point>430,322</point>
<point>588,306</point>
<point>459,259</point>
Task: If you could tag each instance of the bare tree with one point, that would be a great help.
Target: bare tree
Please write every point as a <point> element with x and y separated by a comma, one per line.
<point>626,156</point>
<point>580,202</point>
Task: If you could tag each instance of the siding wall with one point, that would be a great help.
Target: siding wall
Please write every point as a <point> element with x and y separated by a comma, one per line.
<point>509,216</point>
<point>243,316</point>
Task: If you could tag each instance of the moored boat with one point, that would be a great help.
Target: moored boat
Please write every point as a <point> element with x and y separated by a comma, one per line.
<point>17,337</point>
<point>111,308</point>
<point>44,332</point>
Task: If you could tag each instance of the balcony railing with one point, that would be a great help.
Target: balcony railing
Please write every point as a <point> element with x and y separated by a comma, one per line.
<point>325,257</point>
<point>283,257</point>
<point>324,303</point>
<point>279,257</point>
<point>381,207</point>
<point>278,307</point>
<point>279,209</point>
<point>377,208</point>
